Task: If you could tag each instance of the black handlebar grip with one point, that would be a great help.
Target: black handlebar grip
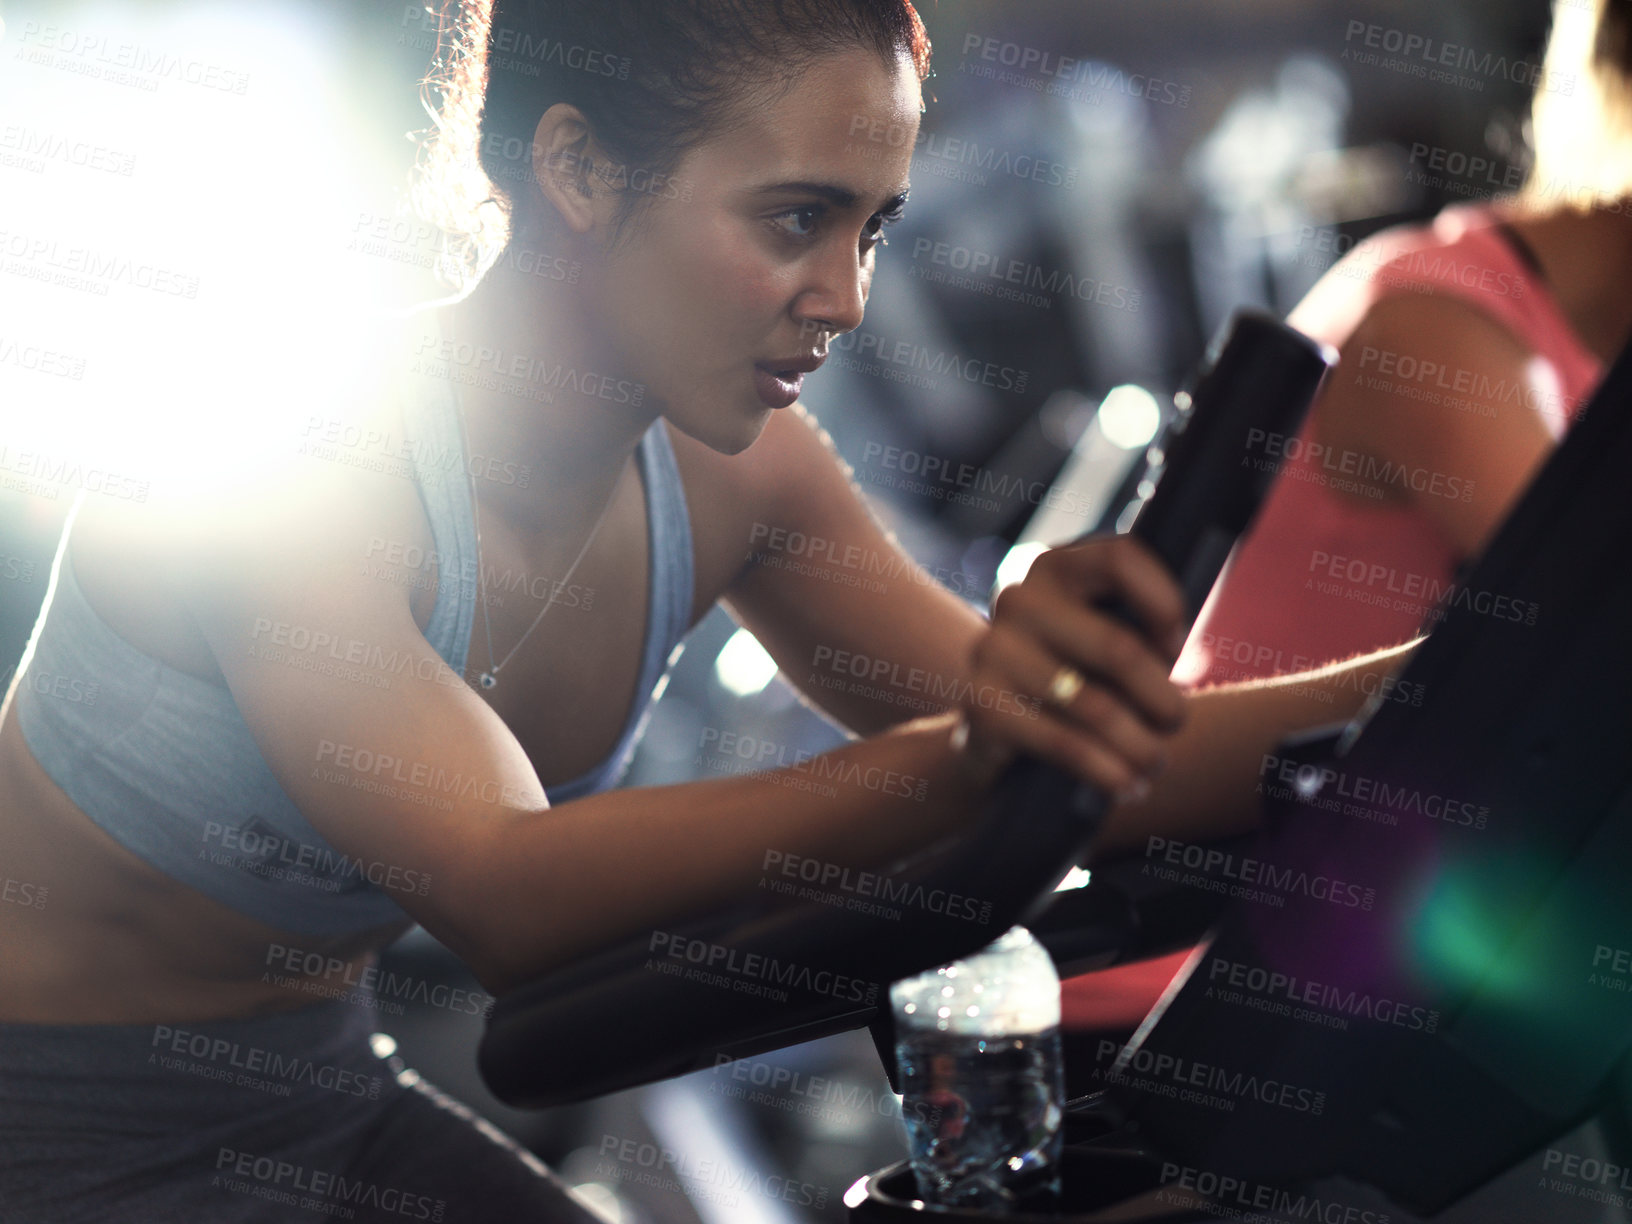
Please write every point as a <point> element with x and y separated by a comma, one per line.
<point>1213,465</point>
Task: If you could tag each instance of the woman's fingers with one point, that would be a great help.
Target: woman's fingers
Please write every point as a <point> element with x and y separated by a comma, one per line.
<point>1121,568</point>
<point>1098,645</point>
<point>1089,690</point>
<point>1094,735</point>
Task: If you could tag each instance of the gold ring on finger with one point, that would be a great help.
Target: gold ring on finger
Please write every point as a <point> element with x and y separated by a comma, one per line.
<point>1064,687</point>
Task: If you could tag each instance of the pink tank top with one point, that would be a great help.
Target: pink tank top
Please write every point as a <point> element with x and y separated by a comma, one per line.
<point>1323,576</point>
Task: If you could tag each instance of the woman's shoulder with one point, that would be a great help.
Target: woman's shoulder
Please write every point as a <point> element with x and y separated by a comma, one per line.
<point>1455,260</point>
<point>149,569</point>
<point>295,484</point>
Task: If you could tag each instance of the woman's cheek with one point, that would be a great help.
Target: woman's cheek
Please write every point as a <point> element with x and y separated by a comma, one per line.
<point>758,288</point>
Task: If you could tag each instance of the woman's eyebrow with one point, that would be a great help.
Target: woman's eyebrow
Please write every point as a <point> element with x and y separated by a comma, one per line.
<point>839,197</point>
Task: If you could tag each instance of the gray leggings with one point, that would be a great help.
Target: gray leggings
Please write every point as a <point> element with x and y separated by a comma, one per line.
<point>279,1118</point>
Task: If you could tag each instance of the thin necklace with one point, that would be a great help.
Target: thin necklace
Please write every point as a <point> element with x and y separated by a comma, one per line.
<point>490,678</point>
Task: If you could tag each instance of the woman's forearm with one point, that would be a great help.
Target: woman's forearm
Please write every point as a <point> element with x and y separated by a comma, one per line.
<point>559,885</point>
<point>1210,789</point>
<point>598,870</point>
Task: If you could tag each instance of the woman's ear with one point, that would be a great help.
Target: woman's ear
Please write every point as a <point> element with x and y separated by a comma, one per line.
<point>571,169</point>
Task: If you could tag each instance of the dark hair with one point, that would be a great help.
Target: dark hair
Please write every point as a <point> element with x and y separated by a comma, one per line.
<point>652,77</point>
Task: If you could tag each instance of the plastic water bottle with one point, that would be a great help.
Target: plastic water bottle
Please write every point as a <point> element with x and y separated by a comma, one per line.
<point>978,1045</point>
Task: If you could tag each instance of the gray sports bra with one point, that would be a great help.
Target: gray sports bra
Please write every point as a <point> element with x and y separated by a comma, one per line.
<point>165,764</point>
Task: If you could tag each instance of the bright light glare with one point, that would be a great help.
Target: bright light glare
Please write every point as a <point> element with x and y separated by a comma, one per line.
<point>1130,417</point>
<point>1017,564</point>
<point>744,668</point>
<point>1074,879</point>
<point>601,1199</point>
<point>203,300</point>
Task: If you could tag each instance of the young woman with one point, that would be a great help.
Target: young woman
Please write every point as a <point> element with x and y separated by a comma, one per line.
<point>316,723</point>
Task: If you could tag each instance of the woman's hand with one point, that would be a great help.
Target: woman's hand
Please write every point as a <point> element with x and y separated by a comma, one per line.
<point>1058,679</point>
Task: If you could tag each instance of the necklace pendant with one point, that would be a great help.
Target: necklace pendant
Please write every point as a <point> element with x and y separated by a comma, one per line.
<point>489,680</point>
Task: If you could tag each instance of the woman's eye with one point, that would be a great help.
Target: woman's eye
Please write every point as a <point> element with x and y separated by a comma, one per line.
<point>798,222</point>
<point>873,233</point>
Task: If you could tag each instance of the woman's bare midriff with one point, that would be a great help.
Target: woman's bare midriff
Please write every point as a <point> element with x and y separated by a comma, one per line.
<point>106,938</point>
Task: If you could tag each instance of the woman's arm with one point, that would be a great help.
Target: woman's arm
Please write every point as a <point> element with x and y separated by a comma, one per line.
<point>860,628</point>
<point>1450,410</point>
<point>1211,788</point>
<point>425,777</point>
<point>1196,784</point>
<point>872,638</point>
<point>1208,790</point>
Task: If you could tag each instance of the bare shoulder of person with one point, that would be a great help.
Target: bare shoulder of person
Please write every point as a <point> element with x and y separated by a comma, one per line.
<point>1449,402</point>
<point>313,480</point>
<point>259,498</point>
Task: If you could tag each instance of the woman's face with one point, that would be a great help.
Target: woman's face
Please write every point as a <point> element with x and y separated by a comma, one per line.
<point>726,288</point>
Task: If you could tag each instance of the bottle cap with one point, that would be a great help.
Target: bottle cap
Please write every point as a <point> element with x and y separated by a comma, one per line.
<point>1008,988</point>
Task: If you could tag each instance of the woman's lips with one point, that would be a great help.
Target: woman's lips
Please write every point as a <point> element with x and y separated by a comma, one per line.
<point>777,388</point>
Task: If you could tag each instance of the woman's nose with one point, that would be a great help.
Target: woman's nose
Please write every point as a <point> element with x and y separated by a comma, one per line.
<point>835,298</point>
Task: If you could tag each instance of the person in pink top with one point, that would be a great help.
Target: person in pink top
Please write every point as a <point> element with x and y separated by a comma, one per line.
<point>1468,346</point>
<point>1461,367</point>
